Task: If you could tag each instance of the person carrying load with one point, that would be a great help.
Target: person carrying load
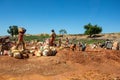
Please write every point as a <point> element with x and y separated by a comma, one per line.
<point>21,32</point>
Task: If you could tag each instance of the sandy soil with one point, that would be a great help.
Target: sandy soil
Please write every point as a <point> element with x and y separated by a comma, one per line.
<point>97,64</point>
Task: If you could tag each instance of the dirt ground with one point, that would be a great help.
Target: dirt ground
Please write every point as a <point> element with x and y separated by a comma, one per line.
<point>96,64</point>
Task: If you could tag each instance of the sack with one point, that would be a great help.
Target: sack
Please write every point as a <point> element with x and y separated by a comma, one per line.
<point>53,51</point>
<point>115,45</point>
<point>38,53</point>
<point>17,55</point>
<point>46,52</point>
<point>109,45</point>
<point>25,56</point>
<point>83,47</point>
<point>21,29</point>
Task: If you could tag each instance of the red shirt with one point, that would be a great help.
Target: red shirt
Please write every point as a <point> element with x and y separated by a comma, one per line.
<point>20,36</point>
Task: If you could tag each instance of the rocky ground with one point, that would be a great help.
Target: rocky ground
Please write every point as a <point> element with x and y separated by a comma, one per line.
<point>92,64</point>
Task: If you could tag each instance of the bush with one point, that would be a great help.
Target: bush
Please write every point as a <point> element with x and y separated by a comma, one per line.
<point>34,37</point>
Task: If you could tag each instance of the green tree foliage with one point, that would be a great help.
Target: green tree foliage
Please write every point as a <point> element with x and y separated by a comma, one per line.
<point>13,30</point>
<point>62,31</point>
<point>92,29</point>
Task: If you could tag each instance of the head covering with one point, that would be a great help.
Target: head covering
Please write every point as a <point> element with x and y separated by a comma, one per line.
<point>52,30</point>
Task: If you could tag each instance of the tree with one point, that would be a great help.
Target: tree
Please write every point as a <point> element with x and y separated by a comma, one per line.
<point>62,31</point>
<point>92,29</point>
<point>13,30</point>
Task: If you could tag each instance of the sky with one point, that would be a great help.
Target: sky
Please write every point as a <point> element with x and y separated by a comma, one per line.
<point>40,16</point>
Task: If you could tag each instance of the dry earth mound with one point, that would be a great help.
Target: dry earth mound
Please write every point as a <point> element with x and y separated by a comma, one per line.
<point>97,64</point>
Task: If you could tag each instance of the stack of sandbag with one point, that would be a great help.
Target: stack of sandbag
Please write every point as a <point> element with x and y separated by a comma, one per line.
<point>35,51</point>
<point>5,45</point>
<point>19,54</point>
<point>38,53</point>
<point>16,54</point>
<point>109,45</point>
<point>53,51</point>
<point>115,45</point>
<point>48,51</point>
<point>6,52</point>
<point>60,48</point>
<point>47,42</point>
<point>45,50</point>
<point>32,50</point>
<point>25,53</point>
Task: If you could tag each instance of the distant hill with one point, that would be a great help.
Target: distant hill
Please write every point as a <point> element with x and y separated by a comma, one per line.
<point>112,36</point>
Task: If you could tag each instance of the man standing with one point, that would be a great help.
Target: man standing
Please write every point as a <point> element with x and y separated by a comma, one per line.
<point>53,36</point>
<point>21,32</point>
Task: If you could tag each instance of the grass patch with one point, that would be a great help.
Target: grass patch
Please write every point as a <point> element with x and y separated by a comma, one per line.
<point>90,41</point>
<point>33,37</point>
